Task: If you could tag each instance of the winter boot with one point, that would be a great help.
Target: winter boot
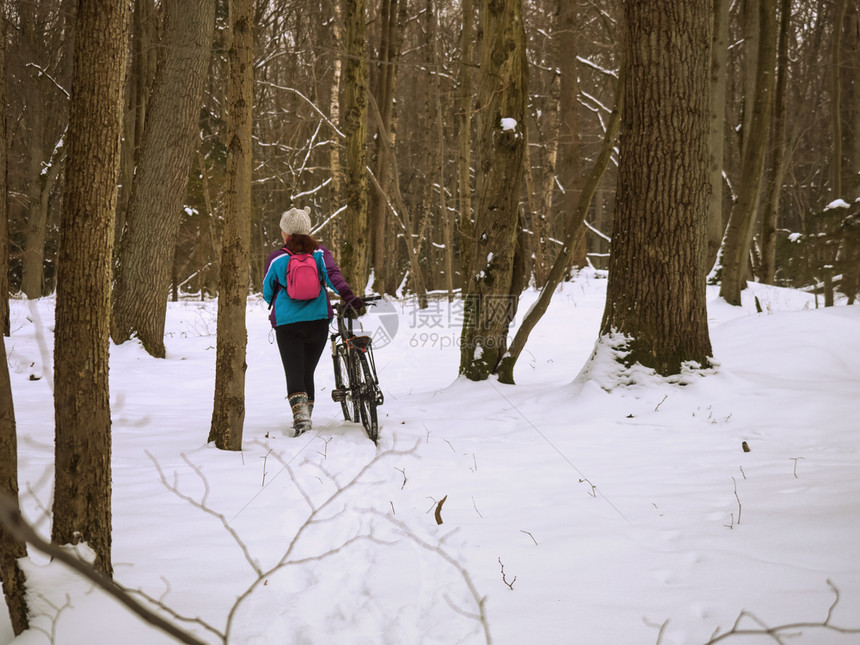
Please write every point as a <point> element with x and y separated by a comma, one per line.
<point>310,413</point>
<point>301,413</point>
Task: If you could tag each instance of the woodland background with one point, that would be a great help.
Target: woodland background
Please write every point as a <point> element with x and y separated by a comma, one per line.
<point>416,66</point>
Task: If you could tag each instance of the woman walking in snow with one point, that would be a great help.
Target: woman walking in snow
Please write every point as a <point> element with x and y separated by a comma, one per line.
<point>301,323</point>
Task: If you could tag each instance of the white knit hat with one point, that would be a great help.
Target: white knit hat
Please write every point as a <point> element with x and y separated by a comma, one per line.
<point>297,221</point>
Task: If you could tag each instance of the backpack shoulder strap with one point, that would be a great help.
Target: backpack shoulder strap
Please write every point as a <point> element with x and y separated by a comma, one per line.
<point>283,251</point>
<point>320,258</point>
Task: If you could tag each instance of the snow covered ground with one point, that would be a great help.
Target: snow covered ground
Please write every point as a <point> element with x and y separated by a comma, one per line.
<point>572,514</point>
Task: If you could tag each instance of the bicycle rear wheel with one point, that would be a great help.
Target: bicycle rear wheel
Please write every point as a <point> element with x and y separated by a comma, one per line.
<point>343,386</point>
<point>365,381</point>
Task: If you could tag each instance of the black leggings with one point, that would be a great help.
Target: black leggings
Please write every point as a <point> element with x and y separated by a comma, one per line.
<point>301,344</point>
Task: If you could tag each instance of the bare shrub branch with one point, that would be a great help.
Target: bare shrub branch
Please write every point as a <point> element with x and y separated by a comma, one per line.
<point>201,505</point>
<point>480,600</point>
<point>779,631</point>
<point>129,597</point>
<point>16,524</point>
<point>504,579</point>
<point>734,481</point>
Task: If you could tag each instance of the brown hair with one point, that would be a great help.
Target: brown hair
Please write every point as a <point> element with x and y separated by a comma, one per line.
<point>301,244</point>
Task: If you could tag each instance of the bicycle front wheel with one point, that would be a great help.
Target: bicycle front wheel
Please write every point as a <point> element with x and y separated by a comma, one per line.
<point>364,381</point>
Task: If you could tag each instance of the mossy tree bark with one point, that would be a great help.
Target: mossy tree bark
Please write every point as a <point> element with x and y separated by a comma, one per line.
<point>490,298</point>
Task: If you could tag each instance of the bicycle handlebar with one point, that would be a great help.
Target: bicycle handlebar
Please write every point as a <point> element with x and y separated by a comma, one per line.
<point>341,307</point>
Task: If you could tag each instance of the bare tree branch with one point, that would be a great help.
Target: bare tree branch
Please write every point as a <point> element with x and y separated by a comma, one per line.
<point>16,525</point>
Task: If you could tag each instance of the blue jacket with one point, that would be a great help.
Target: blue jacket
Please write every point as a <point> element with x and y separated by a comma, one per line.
<point>286,310</point>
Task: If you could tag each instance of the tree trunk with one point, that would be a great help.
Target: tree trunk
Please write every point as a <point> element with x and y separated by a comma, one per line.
<point>464,137</point>
<point>738,237</point>
<point>148,242</point>
<point>575,232</point>
<point>355,251</point>
<point>406,221</point>
<point>655,301</point>
<point>719,62</point>
<point>850,70</point>
<point>568,138</point>
<point>778,160</point>
<point>751,33</point>
<point>82,481</point>
<point>45,125</point>
<point>392,13</point>
<point>208,254</point>
<point>228,414</point>
<point>11,549</point>
<point>836,101</point>
<point>548,181</point>
<point>34,233</point>
<point>490,301</point>
<point>39,202</point>
<point>533,222</point>
<point>334,232</point>
<point>446,219</point>
<point>143,53</point>
<point>4,211</point>
<point>851,103</point>
<point>425,208</point>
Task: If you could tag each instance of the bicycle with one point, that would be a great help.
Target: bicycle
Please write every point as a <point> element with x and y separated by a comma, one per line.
<point>356,384</point>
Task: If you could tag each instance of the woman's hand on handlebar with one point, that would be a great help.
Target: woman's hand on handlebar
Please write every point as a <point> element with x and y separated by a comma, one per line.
<point>358,306</point>
<point>354,308</point>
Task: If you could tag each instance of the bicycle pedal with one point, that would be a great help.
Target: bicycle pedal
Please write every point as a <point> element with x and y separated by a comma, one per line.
<point>338,395</point>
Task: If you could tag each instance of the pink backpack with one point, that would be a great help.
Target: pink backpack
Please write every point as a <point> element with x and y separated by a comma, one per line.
<point>303,278</point>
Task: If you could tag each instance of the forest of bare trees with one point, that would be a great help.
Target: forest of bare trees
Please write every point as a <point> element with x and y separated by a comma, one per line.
<point>370,118</point>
